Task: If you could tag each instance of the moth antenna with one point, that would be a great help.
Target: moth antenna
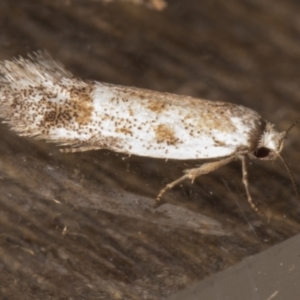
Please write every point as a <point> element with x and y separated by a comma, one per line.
<point>291,127</point>
<point>291,176</point>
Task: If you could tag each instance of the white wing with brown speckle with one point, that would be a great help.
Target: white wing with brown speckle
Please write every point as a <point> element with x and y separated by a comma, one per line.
<point>38,97</point>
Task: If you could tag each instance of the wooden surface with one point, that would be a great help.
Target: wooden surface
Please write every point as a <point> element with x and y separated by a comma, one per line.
<point>82,225</point>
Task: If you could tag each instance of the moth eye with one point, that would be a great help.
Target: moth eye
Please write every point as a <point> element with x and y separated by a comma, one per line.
<point>262,152</point>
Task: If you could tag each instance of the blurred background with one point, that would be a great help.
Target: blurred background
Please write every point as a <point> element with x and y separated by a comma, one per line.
<point>82,225</point>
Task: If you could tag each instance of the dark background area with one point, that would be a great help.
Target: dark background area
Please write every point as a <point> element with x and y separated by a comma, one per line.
<point>82,225</point>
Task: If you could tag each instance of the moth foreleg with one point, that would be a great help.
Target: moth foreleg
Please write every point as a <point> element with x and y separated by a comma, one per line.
<point>192,174</point>
<point>246,184</point>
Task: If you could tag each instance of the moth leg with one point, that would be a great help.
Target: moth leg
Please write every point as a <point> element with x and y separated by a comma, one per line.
<point>192,174</point>
<point>168,187</point>
<point>246,184</point>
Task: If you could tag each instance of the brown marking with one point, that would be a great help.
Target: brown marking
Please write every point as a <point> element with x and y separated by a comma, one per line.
<point>131,113</point>
<point>212,119</point>
<point>81,98</point>
<point>188,116</point>
<point>165,134</point>
<point>84,112</point>
<point>50,116</point>
<point>219,143</point>
<point>156,106</point>
<point>65,115</point>
<point>124,130</point>
<point>79,107</point>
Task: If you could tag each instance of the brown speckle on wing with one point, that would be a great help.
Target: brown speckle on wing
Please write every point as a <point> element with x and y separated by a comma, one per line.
<point>165,134</point>
<point>156,106</point>
<point>39,95</point>
<point>124,130</point>
<point>82,103</point>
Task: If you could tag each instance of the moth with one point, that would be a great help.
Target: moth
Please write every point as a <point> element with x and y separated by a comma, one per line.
<point>40,98</point>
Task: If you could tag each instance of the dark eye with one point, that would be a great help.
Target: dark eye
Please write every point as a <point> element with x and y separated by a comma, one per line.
<point>262,152</point>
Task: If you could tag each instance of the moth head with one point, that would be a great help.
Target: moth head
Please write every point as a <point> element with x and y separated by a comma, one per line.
<point>270,144</point>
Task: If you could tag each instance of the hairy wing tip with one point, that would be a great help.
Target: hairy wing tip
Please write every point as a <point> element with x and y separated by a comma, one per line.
<point>34,68</point>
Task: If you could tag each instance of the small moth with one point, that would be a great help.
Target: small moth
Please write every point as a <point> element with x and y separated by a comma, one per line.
<point>39,98</point>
